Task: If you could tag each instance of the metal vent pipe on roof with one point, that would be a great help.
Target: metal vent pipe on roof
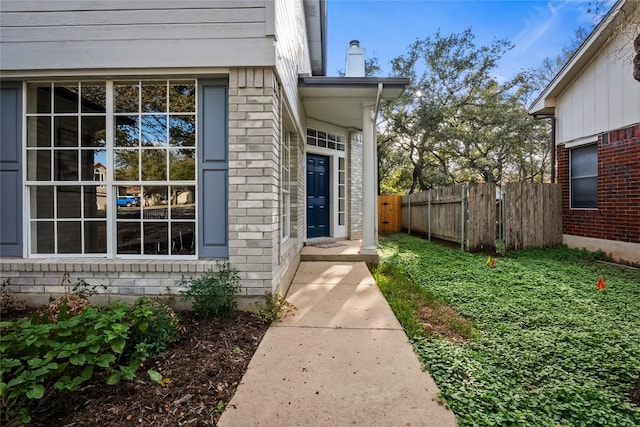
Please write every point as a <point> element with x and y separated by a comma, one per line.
<point>355,60</point>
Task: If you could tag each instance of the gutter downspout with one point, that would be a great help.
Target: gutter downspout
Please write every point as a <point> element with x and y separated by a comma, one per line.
<point>378,97</point>
<point>376,108</point>
<point>368,177</point>
<point>375,158</point>
<point>553,149</point>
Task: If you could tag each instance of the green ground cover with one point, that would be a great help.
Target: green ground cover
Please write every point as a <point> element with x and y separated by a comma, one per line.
<point>547,348</point>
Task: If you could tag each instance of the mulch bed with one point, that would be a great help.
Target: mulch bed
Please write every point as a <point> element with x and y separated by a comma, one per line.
<point>204,368</point>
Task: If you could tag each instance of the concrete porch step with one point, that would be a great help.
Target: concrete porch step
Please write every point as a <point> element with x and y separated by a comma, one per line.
<point>339,250</point>
<point>320,241</point>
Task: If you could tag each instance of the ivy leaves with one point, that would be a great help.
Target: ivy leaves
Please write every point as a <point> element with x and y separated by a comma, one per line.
<point>552,349</point>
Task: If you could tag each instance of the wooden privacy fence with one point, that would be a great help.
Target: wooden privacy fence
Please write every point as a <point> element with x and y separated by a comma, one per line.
<point>532,215</point>
<point>389,218</point>
<point>435,213</point>
<point>481,216</point>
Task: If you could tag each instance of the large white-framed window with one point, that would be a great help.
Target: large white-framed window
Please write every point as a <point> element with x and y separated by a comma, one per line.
<point>111,168</point>
<point>322,139</point>
<point>342,191</point>
<point>285,183</point>
<point>583,175</point>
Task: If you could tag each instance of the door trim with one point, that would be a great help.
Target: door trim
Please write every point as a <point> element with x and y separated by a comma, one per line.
<point>326,192</point>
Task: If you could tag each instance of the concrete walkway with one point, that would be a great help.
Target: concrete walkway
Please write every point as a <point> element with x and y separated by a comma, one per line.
<point>343,359</point>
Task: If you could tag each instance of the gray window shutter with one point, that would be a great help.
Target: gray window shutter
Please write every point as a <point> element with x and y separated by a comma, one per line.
<point>11,209</point>
<point>213,173</point>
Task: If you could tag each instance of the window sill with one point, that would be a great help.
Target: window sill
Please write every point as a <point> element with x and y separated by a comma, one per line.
<point>77,265</point>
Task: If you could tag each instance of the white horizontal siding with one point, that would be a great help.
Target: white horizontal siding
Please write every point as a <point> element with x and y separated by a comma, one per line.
<point>67,34</point>
<point>131,17</point>
<point>292,47</point>
<point>78,5</point>
<point>24,35</point>
<point>603,97</point>
<point>92,55</point>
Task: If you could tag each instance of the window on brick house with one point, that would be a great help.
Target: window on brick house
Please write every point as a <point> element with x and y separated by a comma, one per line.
<point>285,183</point>
<point>584,177</point>
<point>144,132</point>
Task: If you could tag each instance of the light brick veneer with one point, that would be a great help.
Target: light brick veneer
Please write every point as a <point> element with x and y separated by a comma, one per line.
<point>121,277</point>
<point>255,107</point>
<point>355,186</point>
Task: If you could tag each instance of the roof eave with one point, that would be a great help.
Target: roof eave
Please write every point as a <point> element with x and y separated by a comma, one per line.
<point>583,55</point>
<point>339,100</point>
<point>316,23</point>
<point>354,82</point>
<point>543,107</point>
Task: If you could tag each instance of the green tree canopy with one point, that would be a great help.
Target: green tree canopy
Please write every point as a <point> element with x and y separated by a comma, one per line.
<point>456,122</point>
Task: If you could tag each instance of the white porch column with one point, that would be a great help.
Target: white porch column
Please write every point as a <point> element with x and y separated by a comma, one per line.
<point>368,179</point>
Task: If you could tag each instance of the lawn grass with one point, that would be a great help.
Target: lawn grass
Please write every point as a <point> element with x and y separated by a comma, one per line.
<point>420,312</point>
<point>548,348</point>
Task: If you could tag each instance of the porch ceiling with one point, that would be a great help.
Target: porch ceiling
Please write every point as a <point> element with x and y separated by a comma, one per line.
<point>339,100</point>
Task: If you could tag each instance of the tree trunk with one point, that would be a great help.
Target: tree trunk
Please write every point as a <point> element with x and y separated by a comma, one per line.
<point>636,60</point>
<point>635,393</point>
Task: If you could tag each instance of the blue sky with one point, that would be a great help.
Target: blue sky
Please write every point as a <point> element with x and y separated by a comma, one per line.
<point>385,28</point>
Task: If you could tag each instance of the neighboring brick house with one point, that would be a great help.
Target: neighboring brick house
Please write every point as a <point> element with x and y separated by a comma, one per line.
<point>212,121</point>
<point>596,105</point>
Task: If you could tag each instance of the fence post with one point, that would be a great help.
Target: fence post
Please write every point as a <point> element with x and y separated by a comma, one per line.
<point>409,225</point>
<point>429,216</point>
<point>503,217</point>
<point>463,216</point>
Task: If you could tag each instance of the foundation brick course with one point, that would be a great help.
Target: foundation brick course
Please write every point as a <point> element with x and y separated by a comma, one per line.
<point>26,275</point>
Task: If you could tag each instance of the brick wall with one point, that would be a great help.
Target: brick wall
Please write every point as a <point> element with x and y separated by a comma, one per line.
<point>255,250</point>
<point>355,186</point>
<point>253,176</point>
<point>298,189</point>
<point>618,213</point>
<point>121,276</point>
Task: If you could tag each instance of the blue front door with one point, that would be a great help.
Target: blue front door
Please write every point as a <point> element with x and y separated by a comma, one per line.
<point>317,196</point>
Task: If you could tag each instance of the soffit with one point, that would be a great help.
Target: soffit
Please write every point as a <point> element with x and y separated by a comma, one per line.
<point>339,100</point>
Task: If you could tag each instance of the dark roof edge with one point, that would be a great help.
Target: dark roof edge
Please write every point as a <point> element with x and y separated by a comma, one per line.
<point>323,34</point>
<point>604,23</point>
<point>316,81</point>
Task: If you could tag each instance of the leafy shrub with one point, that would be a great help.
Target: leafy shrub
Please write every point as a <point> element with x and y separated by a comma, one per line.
<point>84,289</point>
<point>274,307</point>
<point>156,325</point>
<point>39,357</point>
<point>9,303</point>
<point>213,293</point>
